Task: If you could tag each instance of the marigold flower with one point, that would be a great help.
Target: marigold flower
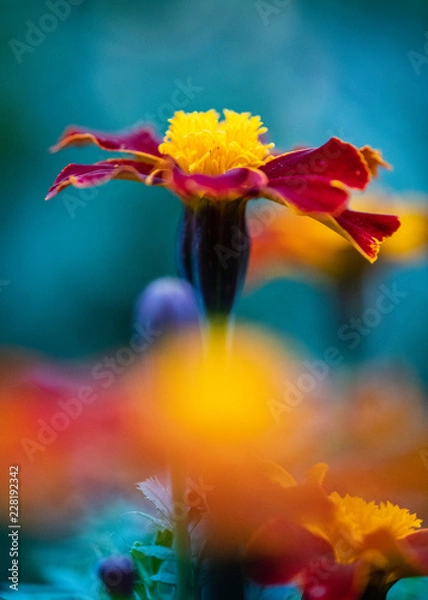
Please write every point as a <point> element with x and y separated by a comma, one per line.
<point>360,553</point>
<point>215,166</point>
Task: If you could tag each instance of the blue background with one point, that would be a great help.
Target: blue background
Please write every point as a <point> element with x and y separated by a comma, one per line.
<point>310,69</point>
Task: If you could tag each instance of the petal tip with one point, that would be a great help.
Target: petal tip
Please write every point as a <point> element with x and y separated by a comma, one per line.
<point>373,160</point>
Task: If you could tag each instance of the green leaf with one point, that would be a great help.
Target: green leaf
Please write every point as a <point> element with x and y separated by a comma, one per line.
<point>153,551</point>
<point>165,577</point>
<point>165,538</point>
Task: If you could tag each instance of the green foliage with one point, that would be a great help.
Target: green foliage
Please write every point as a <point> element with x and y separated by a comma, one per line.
<point>156,567</point>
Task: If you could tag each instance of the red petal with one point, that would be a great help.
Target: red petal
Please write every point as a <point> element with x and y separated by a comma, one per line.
<point>309,194</point>
<point>83,176</point>
<point>330,581</point>
<point>141,141</point>
<point>365,231</point>
<point>236,183</point>
<point>418,541</point>
<point>336,160</point>
<point>281,550</point>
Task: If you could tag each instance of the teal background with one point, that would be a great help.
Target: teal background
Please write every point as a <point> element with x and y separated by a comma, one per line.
<point>310,69</point>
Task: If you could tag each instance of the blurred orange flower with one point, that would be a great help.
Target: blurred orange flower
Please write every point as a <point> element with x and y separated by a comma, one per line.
<point>365,548</point>
<point>278,251</point>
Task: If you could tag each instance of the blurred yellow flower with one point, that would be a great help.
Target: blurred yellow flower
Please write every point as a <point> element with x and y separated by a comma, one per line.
<point>356,519</point>
<point>277,250</point>
<point>214,393</point>
<point>359,553</point>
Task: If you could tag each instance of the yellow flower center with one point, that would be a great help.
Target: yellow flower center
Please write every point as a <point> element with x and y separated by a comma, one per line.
<point>357,518</point>
<point>200,143</point>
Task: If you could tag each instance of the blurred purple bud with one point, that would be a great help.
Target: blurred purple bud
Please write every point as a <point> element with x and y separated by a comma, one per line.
<point>118,575</point>
<point>168,305</point>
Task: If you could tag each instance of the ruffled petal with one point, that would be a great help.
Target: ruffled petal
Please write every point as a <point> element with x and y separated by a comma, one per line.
<point>405,557</point>
<point>374,160</point>
<point>308,195</point>
<point>418,544</point>
<point>365,231</point>
<point>281,551</point>
<point>141,141</point>
<point>330,581</point>
<point>236,183</point>
<point>335,160</point>
<point>83,176</point>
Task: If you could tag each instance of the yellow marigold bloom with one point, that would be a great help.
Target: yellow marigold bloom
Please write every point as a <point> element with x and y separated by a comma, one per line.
<point>356,555</point>
<point>357,519</point>
<point>200,143</point>
<point>215,167</point>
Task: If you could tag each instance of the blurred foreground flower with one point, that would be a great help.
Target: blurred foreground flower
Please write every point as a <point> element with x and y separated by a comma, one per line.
<point>359,554</point>
<point>211,395</point>
<point>76,444</point>
<point>215,167</point>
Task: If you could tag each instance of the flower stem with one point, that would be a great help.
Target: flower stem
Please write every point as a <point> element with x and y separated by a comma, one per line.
<point>376,588</point>
<point>222,578</point>
<point>374,594</point>
<point>185,587</point>
<point>213,252</point>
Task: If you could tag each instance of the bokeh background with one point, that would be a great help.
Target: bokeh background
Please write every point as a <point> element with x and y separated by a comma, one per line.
<point>72,268</point>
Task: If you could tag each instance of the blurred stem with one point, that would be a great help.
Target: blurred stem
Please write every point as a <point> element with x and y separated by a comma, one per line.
<point>374,594</point>
<point>221,576</point>
<point>219,327</point>
<point>185,587</point>
<point>222,579</point>
<point>376,588</point>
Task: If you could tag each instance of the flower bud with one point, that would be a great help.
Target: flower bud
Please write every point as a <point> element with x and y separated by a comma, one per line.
<point>168,305</point>
<point>118,575</point>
